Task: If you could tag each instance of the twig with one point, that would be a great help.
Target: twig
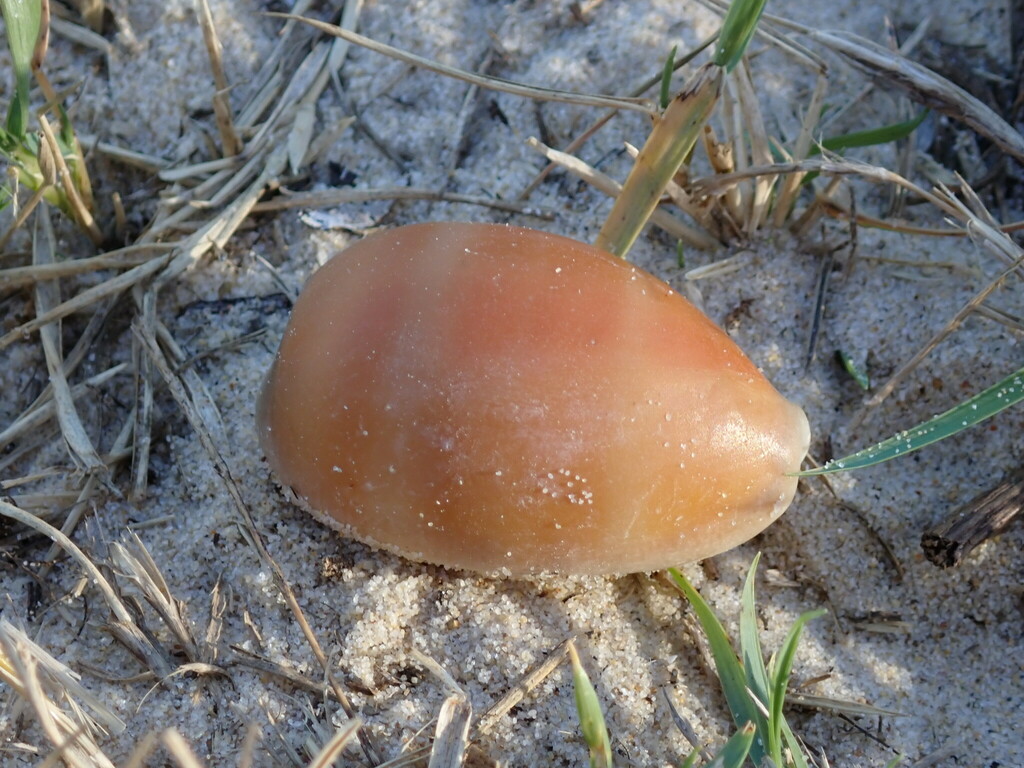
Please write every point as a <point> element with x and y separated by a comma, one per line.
<point>527,683</point>
<point>947,543</point>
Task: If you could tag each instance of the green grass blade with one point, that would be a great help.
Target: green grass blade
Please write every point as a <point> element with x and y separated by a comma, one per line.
<point>872,136</point>
<point>857,373</point>
<point>22,19</point>
<point>867,138</point>
<point>666,78</point>
<point>796,749</point>
<point>781,669</point>
<point>999,397</point>
<point>736,749</point>
<point>691,759</point>
<point>737,29</point>
<point>750,650</point>
<point>592,724</point>
<point>727,664</point>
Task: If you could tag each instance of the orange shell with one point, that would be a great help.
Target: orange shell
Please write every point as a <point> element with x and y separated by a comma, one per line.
<point>501,399</point>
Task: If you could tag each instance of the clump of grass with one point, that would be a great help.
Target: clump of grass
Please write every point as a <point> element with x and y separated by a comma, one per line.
<point>48,162</point>
<point>755,691</point>
<point>754,688</point>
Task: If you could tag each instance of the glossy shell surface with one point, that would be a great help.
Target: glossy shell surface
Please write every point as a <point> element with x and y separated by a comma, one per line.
<point>505,400</point>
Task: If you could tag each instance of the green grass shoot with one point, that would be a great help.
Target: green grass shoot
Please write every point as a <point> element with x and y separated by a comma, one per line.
<point>737,29</point>
<point>21,19</point>
<point>857,372</point>
<point>20,144</point>
<point>665,95</point>
<point>592,725</point>
<point>870,137</point>
<point>754,691</point>
<point>736,749</point>
<point>984,405</point>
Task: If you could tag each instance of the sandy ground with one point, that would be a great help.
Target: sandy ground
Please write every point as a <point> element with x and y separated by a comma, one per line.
<point>954,669</point>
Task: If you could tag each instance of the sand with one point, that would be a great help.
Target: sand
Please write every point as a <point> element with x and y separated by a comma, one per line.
<point>951,664</point>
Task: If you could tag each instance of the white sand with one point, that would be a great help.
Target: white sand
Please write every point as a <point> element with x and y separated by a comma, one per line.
<point>956,673</point>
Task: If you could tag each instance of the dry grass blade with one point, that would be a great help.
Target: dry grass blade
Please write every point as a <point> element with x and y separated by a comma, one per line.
<point>663,153</point>
<point>328,198</point>
<point>493,83</point>
<point>660,218</point>
<point>142,428</point>
<point>132,256</point>
<point>216,233</point>
<point>125,627</point>
<point>137,565</point>
<point>34,419</point>
<point>146,745</point>
<point>86,298</point>
<point>81,35</point>
<point>83,503</point>
<point>451,734</point>
<point>521,689</point>
<point>61,680</point>
<point>332,749</point>
<point>790,186</point>
<point>760,152</point>
<point>148,163</point>
<point>637,91</point>
<point>434,668</point>
<point>42,682</point>
<point>846,706</point>
<point>80,207</point>
<point>83,346</point>
<point>179,749</point>
<point>230,143</point>
<point>684,726</point>
<point>180,395</point>
<point>720,184</point>
<point>300,136</point>
<point>980,226</point>
<point>924,86</point>
<point>955,322</point>
<point>248,659</point>
<point>79,445</point>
